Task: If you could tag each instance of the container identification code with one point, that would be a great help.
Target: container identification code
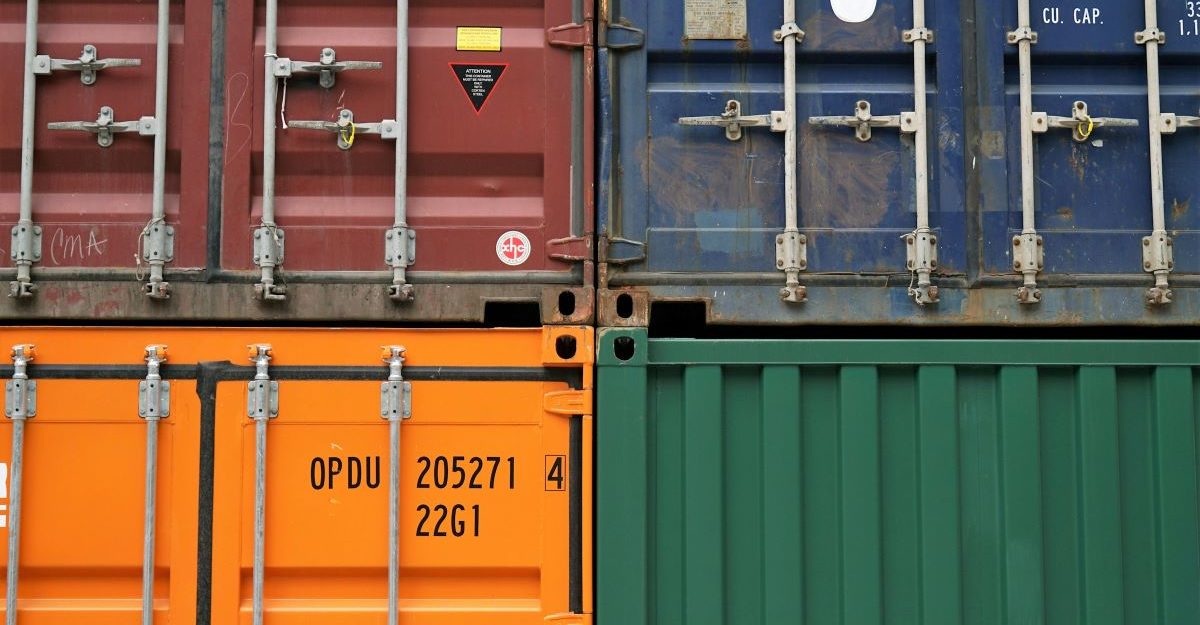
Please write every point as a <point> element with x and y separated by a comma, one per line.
<point>715,19</point>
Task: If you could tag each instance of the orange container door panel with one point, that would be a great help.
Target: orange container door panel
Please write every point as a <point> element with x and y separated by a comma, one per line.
<point>83,500</point>
<point>495,477</point>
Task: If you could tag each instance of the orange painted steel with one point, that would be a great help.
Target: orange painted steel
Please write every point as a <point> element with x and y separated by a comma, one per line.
<point>487,458</point>
<point>83,493</point>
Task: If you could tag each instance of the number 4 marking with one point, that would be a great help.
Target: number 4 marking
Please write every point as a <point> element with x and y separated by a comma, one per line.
<point>556,473</point>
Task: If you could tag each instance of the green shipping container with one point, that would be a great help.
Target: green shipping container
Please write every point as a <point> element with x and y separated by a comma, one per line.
<point>899,482</point>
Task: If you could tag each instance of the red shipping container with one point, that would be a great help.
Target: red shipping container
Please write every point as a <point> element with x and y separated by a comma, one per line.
<point>498,203</point>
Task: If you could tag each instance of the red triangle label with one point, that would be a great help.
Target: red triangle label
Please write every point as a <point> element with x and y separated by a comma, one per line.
<point>478,80</point>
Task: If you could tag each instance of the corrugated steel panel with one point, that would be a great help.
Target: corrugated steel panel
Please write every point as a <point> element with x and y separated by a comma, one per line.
<point>827,482</point>
<point>494,491</point>
<point>688,215</point>
<point>499,189</point>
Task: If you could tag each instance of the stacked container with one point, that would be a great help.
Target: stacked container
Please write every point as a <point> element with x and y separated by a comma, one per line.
<point>303,308</point>
<point>195,174</point>
<point>866,165</point>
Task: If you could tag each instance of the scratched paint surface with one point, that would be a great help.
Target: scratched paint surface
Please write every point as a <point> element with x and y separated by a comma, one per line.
<point>702,203</point>
<point>1093,198</point>
<point>706,205</point>
<point>92,202</point>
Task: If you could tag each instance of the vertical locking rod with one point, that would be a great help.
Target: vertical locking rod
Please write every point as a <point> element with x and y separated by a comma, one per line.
<point>792,291</point>
<point>268,248</point>
<point>155,248</point>
<point>26,239</point>
<point>151,406</point>
<point>397,239</point>
<point>1156,247</point>
<point>925,292</point>
<point>19,407</point>
<point>394,406</point>
<point>262,404</point>
<point>1029,254</point>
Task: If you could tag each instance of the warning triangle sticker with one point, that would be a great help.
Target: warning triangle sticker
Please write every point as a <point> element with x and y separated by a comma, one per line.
<point>478,80</point>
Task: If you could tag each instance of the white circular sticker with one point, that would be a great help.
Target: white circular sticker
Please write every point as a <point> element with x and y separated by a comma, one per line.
<point>853,11</point>
<point>513,248</point>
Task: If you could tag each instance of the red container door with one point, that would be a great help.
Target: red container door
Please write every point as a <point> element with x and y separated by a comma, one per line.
<point>92,202</point>
<point>499,122</point>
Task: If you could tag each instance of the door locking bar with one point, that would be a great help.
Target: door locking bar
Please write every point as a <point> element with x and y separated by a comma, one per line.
<point>1158,248</point>
<point>1028,248</point>
<point>262,405</point>
<point>921,243</point>
<point>154,403</point>
<point>862,121</point>
<point>733,121</point>
<point>347,129</point>
<point>20,404</point>
<point>104,127</point>
<point>395,405</point>
<point>791,247</point>
<point>328,67</point>
<point>1080,123</point>
<point>88,65</point>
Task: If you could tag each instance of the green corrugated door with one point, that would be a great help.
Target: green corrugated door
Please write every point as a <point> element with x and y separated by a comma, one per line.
<point>899,482</point>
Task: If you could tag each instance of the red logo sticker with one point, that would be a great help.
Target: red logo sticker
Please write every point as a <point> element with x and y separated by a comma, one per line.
<point>513,248</point>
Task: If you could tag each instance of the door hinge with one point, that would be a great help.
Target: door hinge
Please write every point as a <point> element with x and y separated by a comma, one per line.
<point>571,249</point>
<point>618,251</point>
<point>568,403</point>
<point>573,35</point>
<point>616,36</point>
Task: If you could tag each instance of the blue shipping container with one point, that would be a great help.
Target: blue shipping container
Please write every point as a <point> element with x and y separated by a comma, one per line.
<point>694,197</point>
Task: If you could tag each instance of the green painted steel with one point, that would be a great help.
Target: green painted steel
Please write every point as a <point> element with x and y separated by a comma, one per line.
<point>898,482</point>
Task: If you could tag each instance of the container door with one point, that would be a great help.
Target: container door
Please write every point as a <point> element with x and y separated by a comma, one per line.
<point>80,502</point>
<point>491,491</point>
<point>1092,194</point>
<point>709,202</point>
<point>91,202</point>
<point>499,156</point>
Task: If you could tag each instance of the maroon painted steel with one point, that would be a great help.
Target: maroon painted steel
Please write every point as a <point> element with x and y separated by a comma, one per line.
<point>472,176</point>
<point>93,202</point>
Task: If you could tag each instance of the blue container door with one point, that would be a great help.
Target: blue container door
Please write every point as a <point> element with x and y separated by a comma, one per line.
<point>1093,197</point>
<point>687,199</point>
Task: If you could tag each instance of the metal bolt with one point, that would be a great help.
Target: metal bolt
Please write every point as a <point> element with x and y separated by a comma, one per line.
<point>778,263</point>
<point>933,240</point>
<point>804,238</point>
<point>909,239</point>
<point>1146,242</point>
<point>1147,264</point>
<point>1017,265</point>
<point>1017,241</point>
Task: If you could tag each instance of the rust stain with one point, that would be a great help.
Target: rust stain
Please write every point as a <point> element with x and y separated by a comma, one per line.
<point>828,33</point>
<point>1179,209</point>
<point>1079,161</point>
<point>1065,213</point>
<point>689,178</point>
<point>845,183</point>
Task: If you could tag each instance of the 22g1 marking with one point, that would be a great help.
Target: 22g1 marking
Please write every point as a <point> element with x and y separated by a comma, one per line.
<point>434,520</point>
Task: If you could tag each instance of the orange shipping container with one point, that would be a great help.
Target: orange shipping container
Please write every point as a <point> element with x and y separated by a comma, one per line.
<point>490,521</point>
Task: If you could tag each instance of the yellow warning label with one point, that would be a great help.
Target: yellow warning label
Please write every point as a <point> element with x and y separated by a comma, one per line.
<point>479,38</point>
